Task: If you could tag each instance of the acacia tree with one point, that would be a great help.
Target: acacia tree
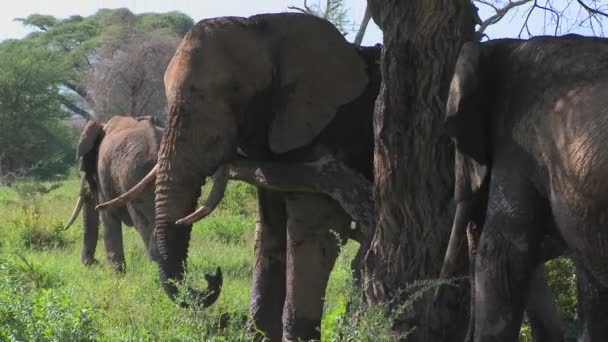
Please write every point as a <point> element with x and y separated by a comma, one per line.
<point>128,79</point>
<point>413,159</point>
<point>79,40</point>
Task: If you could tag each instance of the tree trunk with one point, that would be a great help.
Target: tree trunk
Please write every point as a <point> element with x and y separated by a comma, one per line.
<point>414,162</point>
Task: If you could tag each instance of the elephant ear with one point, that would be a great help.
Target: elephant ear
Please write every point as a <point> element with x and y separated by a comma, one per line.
<point>464,83</point>
<point>318,71</point>
<point>465,120</point>
<point>88,138</point>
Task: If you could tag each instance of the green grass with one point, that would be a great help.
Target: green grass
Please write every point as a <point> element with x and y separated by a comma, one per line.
<point>49,296</point>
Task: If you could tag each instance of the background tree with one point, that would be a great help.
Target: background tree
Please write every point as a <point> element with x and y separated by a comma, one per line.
<point>78,42</point>
<point>128,79</point>
<point>414,159</point>
<point>336,12</point>
<point>558,16</point>
<point>333,10</point>
<point>109,63</point>
<point>34,139</point>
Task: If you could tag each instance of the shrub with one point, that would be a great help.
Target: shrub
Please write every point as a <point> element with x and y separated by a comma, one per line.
<point>34,234</point>
<point>31,313</point>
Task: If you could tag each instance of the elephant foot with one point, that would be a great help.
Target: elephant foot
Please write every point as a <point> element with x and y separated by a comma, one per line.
<point>89,261</point>
<point>301,329</point>
<point>119,268</point>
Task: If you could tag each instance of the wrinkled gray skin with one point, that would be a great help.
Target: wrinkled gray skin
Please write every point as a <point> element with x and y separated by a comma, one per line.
<point>281,87</point>
<point>534,112</point>
<point>114,157</point>
<point>471,197</point>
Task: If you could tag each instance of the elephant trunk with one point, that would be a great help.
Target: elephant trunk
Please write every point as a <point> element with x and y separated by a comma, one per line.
<point>179,178</point>
<point>173,201</point>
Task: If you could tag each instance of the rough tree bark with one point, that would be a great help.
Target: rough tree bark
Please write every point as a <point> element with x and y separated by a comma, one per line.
<point>414,162</point>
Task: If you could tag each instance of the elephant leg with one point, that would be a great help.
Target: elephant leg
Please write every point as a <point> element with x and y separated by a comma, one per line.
<point>152,246</point>
<point>312,249</point>
<point>508,252</point>
<point>545,322</point>
<point>113,241</point>
<point>145,228</point>
<point>268,290</point>
<point>592,306</point>
<point>90,218</point>
<point>147,236</point>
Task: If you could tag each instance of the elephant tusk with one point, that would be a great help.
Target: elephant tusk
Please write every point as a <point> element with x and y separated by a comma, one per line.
<point>457,243</point>
<point>75,213</point>
<point>220,180</point>
<point>133,193</point>
<point>78,206</point>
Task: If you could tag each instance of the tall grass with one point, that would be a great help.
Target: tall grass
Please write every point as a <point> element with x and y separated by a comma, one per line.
<point>47,295</point>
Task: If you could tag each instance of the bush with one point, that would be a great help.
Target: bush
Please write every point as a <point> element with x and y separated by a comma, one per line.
<point>562,281</point>
<point>35,231</point>
<point>31,312</point>
<point>34,234</point>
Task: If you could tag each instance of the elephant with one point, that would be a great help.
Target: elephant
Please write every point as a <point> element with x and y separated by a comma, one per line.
<point>533,112</point>
<point>282,88</point>
<point>113,157</point>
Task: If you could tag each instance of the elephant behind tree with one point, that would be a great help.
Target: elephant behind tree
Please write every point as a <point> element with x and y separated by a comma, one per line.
<point>304,95</point>
<point>113,157</point>
<point>535,113</point>
<point>471,198</point>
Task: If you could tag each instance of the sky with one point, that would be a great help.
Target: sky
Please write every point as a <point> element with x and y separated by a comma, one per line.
<point>200,9</point>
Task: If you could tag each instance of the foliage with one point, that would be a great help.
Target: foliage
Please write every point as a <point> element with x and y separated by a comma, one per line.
<point>166,23</point>
<point>34,140</point>
<point>30,309</point>
<point>77,41</point>
<point>562,281</point>
<point>111,62</point>
<point>332,10</point>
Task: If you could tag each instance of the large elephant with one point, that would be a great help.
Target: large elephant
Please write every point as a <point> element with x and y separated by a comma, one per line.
<point>278,88</point>
<point>534,112</point>
<point>114,157</point>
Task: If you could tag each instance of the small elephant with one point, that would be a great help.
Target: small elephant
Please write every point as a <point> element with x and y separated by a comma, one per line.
<point>113,157</point>
<point>534,112</point>
<point>284,88</point>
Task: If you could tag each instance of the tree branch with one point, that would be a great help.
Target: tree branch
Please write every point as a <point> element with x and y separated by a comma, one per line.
<point>326,175</point>
<point>306,9</point>
<point>500,13</point>
<point>363,27</point>
<point>74,108</point>
<point>591,10</point>
<point>78,90</point>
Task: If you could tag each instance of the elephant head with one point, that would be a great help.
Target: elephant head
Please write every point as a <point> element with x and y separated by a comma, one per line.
<point>286,73</point>
<point>87,150</point>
